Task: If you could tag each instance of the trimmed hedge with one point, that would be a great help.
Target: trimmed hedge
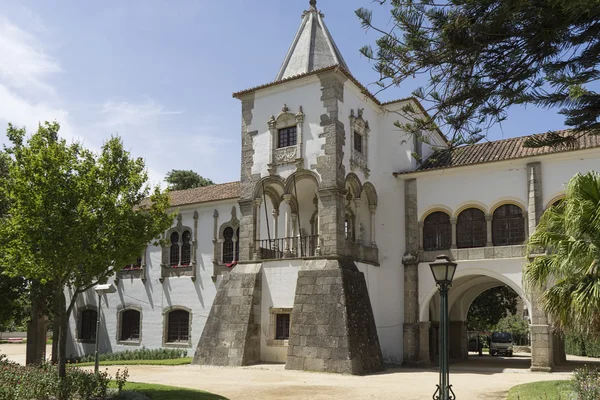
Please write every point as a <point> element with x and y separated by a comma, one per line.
<point>128,355</point>
<point>579,345</point>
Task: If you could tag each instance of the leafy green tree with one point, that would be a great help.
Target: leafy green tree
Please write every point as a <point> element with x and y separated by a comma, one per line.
<point>13,289</point>
<point>482,56</point>
<point>179,179</point>
<point>568,273</point>
<point>75,216</point>
<point>515,324</point>
<point>490,307</point>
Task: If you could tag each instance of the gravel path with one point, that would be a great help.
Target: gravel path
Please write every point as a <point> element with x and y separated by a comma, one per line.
<point>480,378</point>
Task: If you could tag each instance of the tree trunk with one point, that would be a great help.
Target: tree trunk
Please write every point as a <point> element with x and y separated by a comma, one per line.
<point>55,330</point>
<point>62,321</point>
<point>35,327</point>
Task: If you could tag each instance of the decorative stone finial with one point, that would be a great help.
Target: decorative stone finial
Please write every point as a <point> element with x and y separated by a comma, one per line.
<point>285,108</point>
<point>313,3</point>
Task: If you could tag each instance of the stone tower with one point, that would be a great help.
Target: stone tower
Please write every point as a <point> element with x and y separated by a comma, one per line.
<point>331,327</point>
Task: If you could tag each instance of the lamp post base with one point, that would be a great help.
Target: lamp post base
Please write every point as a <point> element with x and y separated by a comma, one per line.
<point>448,395</point>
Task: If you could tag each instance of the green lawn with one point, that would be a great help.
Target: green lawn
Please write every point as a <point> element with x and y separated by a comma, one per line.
<point>555,390</point>
<point>160,392</point>
<point>174,361</point>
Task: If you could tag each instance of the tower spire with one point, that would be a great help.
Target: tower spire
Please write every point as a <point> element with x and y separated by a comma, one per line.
<point>313,47</point>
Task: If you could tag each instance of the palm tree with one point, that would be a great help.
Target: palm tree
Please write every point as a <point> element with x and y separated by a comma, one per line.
<point>569,271</point>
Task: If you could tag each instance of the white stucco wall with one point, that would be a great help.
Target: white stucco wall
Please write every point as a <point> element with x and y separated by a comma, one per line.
<point>269,102</point>
<point>154,297</point>
<point>278,291</point>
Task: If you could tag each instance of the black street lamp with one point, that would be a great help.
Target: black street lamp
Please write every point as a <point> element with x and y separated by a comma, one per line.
<point>443,272</point>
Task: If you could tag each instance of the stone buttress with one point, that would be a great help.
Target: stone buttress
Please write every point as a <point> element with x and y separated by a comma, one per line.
<point>231,336</point>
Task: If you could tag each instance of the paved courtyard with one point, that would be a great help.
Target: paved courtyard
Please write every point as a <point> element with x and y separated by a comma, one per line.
<point>479,378</point>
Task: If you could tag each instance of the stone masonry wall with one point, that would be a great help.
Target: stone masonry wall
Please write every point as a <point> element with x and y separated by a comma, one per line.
<point>332,324</point>
<point>231,336</point>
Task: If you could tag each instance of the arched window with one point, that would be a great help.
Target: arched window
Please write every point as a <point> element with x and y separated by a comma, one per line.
<point>471,229</point>
<point>349,226</point>
<point>130,325</point>
<point>87,325</point>
<point>178,328</point>
<point>437,231</point>
<point>228,247</point>
<point>508,226</point>
<point>186,248</point>
<point>174,255</point>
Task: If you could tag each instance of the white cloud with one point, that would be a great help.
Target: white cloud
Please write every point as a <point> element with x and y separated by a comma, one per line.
<point>125,113</point>
<point>25,65</point>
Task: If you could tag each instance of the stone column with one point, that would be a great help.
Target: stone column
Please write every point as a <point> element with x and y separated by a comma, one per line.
<point>257,203</point>
<point>273,138</point>
<point>288,247</point>
<point>295,234</point>
<point>424,356</point>
<point>535,200</point>
<point>421,225</point>
<point>410,260</point>
<point>358,235</point>
<point>411,328</point>
<point>488,220</point>
<point>458,340</point>
<point>276,228</point>
<point>299,138</point>
<point>215,235</point>
<point>542,352</point>
<point>331,221</point>
<point>453,222</point>
<point>373,210</point>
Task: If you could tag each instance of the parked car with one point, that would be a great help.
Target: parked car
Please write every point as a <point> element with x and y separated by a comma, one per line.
<point>501,343</point>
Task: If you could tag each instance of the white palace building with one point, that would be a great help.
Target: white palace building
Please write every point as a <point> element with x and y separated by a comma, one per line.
<point>319,256</point>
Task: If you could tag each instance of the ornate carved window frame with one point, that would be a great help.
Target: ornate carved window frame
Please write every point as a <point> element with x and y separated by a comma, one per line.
<point>180,270</point>
<point>133,271</point>
<point>359,159</point>
<point>219,266</point>
<point>290,154</point>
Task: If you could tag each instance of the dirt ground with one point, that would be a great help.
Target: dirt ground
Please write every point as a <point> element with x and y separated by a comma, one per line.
<point>479,378</point>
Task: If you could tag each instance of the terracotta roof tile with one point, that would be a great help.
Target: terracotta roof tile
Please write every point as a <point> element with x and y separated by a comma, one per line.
<point>500,150</point>
<point>224,191</point>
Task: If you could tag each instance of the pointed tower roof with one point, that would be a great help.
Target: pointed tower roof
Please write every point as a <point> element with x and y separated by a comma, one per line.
<point>313,47</point>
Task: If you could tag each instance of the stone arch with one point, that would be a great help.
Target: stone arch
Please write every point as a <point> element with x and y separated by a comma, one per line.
<point>371,193</point>
<point>296,177</point>
<point>353,183</point>
<point>437,208</point>
<point>554,200</point>
<point>274,187</point>
<point>510,200</point>
<point>424,306</point>
<point>471,204</point>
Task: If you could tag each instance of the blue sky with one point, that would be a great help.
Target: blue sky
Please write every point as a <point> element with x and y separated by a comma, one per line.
<point>161,73</point>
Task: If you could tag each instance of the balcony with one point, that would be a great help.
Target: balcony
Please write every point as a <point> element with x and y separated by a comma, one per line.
<point>290,247</point>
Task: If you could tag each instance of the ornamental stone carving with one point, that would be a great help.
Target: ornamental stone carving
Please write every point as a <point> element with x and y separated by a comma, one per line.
<point>290,154</point>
